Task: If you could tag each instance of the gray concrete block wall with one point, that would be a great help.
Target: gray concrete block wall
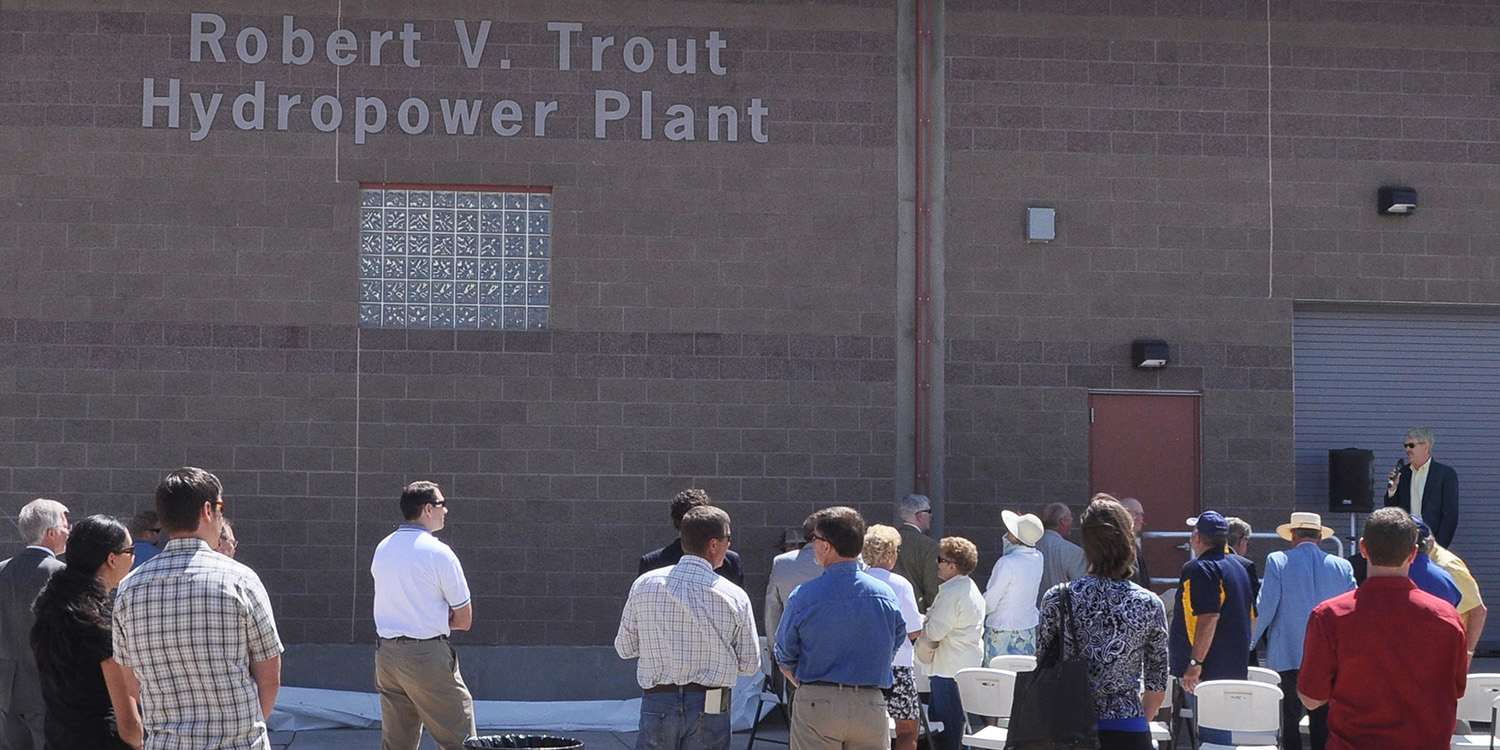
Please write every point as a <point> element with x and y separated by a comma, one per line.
<point>559,480</point>
<point>1147,129</point>
<point>724,313</point>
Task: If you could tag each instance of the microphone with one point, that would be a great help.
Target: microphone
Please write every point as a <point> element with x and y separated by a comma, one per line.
<point>1400,464</point>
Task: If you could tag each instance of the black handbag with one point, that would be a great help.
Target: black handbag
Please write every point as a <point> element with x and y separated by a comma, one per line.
<point>1053,707</point>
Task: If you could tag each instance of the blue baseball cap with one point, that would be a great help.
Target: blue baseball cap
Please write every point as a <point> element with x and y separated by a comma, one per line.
<point>1423,531</point>
<point>1209,522</point>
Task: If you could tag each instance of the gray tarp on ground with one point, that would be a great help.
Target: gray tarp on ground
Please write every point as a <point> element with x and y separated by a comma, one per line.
<point>301,709</point>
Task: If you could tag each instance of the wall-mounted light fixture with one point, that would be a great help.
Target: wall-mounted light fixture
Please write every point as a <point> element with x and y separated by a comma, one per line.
<point>1148,354</point>
<point>1041,224</point>
<point>1392,200</point>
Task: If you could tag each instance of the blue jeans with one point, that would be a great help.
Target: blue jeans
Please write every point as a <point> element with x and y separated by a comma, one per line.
<point>676,722</point>
<point>947,708</point>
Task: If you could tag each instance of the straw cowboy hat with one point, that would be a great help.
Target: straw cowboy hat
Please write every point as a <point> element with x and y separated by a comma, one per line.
<point>1304,521</point>
<point>1027,528</point>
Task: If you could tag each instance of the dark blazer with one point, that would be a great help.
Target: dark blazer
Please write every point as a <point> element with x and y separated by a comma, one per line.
<point>1254,576</point>
<point>21,579</point>
<point>1439,500</point>
<point>916,561</point>
<point>668,556</point>
<point>1142,573</point>
<point>1254,596</point>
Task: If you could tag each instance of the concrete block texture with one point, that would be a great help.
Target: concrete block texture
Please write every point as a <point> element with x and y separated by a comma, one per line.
<point>313,459</point>
<point>179,276</point>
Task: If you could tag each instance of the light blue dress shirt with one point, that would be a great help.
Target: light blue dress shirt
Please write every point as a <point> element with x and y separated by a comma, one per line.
<point>1295,582</point>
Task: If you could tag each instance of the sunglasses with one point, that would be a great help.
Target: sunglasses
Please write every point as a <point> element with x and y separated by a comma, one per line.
<point>438,503</point>
<point>1412,446</point>
<point>127,551</point>
<point>942,560</point>
<point>823,539</point>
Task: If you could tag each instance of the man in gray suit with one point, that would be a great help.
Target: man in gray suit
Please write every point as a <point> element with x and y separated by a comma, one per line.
<point>44,527</point>
<point>1062,560</point>
<point>788,571</point>
<point>916,561</point>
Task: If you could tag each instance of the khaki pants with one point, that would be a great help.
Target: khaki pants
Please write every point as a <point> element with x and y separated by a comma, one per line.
<point>420,685</point>
<point>827,717</point>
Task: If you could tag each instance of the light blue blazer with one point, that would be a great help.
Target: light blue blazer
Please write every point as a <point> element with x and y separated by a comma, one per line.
<point>1295,581</point>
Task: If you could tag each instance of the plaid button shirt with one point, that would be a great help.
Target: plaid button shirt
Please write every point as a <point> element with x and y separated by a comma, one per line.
<point>189,622</point>
<point>688,624</point>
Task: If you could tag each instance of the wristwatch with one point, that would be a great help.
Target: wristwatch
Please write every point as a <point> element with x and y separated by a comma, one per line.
<point>1194,662</point>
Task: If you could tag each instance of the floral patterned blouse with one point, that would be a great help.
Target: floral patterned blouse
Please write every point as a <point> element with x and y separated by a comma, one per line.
<point>1122,630</point>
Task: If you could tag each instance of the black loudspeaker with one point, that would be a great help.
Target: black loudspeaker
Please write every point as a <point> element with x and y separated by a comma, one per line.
<point>1349,483</point>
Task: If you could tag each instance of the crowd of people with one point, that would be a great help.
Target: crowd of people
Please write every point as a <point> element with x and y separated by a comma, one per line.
<point>152,634</point>
<point>859,613</point>
<point>146,630</point>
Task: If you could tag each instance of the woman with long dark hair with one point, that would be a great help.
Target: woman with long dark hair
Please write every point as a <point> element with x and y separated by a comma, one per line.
<point>89,704</point>
<point>1118,626</point>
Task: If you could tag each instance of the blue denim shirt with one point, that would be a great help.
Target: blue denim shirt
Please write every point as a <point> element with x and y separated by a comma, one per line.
<point>843,626</point>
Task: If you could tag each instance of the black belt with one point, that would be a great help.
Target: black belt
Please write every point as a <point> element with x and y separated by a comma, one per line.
<point>691,687</point>
<point>842,685</point>
<point>415,640</point>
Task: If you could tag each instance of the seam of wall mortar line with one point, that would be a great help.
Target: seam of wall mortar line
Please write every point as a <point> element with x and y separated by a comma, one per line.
<point>1270,173</point>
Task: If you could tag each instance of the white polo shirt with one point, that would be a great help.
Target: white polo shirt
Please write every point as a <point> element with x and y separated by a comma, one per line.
<point>418,581</point>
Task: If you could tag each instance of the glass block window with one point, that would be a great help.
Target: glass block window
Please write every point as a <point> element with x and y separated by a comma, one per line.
<point>455,258</point>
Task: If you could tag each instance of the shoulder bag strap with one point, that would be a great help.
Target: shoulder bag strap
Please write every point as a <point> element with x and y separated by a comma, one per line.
<point>1067,628</point>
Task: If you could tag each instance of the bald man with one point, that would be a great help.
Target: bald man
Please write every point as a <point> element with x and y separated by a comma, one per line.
<point>1062,560</point>
<point>1138,523</point>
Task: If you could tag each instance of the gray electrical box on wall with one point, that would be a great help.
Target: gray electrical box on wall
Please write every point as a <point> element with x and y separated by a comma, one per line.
<point>1041,224</point>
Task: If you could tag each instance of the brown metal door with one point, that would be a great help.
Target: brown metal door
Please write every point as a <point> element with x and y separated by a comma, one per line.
<point>1146,446</point>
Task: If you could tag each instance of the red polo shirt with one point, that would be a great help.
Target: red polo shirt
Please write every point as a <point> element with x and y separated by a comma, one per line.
<point>1390,660</point>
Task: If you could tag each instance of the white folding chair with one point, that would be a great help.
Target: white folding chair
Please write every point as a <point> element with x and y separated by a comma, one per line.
<point>1013,662</point>
<point>987,693</point>
<point>1478,704</point>
<point>1237,706</point>
<point>1268,676</point>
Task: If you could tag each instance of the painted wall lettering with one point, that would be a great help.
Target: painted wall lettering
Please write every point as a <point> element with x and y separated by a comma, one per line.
<point>170,103</point>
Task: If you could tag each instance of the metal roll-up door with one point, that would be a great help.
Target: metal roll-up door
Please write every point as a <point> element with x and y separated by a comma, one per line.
<point>1362,378</point>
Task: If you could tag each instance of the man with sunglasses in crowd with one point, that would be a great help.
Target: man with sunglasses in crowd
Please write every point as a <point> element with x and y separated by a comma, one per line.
<point>1425,488</point>
<point>196,629</point>
<point>421,596</point>
<point>145,529</point>
<point>916,560</point>
<point>836,642</point>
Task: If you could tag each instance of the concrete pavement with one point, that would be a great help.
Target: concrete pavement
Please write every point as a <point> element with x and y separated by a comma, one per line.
<point>369,739</point>
<point>771,730</point>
